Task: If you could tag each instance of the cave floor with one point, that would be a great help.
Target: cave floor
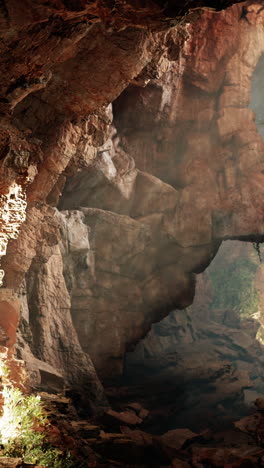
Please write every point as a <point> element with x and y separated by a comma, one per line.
<point>117,439</point>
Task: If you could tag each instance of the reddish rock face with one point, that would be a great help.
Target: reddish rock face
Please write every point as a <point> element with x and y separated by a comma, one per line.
<point>150,185</point>
<point>9,321</point>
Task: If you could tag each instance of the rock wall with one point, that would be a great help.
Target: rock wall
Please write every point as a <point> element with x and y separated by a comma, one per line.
<point>182,165</point>
<point>150,184</point>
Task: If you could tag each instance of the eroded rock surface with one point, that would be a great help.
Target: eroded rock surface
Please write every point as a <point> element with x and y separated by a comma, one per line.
<point>144,128</point>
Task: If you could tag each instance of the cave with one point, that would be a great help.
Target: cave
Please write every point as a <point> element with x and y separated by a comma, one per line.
<point>202,366</point>
<point>131,230</point>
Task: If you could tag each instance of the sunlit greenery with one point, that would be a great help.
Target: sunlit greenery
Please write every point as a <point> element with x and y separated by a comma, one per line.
<point>233,287</point>
<point>23,426</point>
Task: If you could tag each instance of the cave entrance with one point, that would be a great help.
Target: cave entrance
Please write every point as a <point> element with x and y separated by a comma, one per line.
<point>202,367</point>
<point>257,93</point>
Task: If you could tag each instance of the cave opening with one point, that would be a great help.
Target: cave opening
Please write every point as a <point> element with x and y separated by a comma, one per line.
<point>201,368</point>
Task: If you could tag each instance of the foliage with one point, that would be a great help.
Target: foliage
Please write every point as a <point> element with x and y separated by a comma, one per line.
<point>233,287</point>
<point>22,431</point>
<point>20,413</point>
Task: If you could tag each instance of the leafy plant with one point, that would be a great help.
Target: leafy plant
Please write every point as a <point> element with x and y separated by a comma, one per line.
<point>20,414</point>
<point>22,431</point>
